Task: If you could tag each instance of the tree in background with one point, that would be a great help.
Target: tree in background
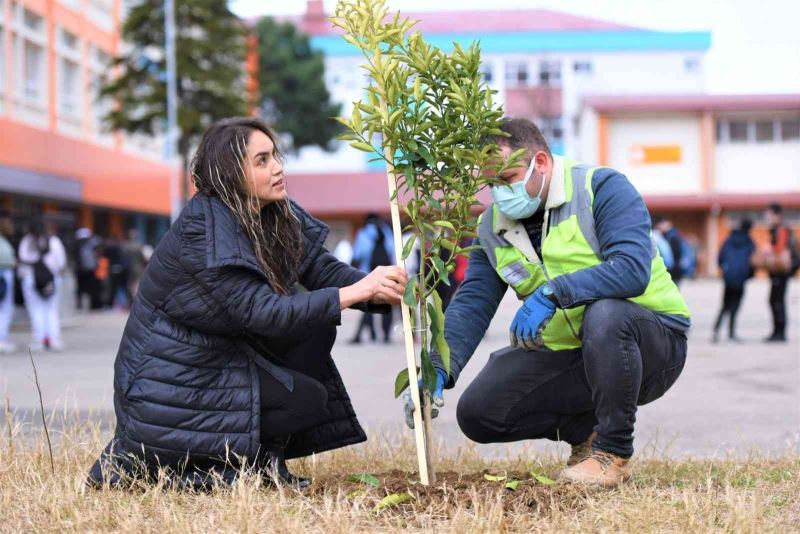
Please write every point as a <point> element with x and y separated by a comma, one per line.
<point>210,54</point>
<point>294,99</point>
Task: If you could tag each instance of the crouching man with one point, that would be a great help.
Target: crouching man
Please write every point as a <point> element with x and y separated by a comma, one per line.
<point>601,328</point>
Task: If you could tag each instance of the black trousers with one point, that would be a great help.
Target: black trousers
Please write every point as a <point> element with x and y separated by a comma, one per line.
<point>731,300</point>
<point>628,358</point>
<point>367,322</point>
<point>777,303</point>
<point>285,412</point>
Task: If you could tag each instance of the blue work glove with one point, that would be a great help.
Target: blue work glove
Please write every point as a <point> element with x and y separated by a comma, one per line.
<point>438,397</point>
<point>532,318</point>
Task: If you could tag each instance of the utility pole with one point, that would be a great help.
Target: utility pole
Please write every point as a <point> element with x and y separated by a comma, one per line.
<point>176,200</point>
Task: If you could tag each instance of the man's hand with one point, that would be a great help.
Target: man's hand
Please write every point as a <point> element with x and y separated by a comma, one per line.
<point>438,398</point>
<point>531,320</point>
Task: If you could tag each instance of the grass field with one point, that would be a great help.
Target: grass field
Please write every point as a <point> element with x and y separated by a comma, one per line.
<point>753,495</point>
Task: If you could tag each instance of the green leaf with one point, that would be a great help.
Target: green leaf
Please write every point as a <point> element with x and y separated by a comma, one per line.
<point>411,180</point>
<point>365,478</point>
<point>356,493</point>
<point>494,478</point>
<point>401,382</point>
<point>441,270</point>
<point>428,371</point>
<point>543,479</point>
<point>362,146</point>
<point>442,348</point>
<point>410,294</point>
<point>393,500</point>
<point>512,485</point>
<point>409,246</point>
<point>426,155</point>
<point>445,224</point>
<point>434,203</point>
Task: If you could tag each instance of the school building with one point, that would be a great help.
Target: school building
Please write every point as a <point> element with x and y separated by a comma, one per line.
<point>56,159</point>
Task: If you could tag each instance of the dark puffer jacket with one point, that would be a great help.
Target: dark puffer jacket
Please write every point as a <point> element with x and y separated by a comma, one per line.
<point>185,376</point>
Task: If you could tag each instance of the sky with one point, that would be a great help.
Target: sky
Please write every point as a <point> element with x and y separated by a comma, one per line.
<point>755,46</point>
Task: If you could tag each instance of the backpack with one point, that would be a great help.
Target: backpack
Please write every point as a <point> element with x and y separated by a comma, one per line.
<point>379,255</point>
<point>794,250</point>
<point>43,278</point>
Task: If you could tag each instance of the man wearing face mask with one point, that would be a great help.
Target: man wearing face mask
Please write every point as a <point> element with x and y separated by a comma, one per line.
<point>601,328</point>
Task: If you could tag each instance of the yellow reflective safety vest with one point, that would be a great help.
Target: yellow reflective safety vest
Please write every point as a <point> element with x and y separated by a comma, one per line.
<point>570,244</point>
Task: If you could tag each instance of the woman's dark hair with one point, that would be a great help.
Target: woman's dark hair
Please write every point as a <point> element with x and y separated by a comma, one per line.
<point>218,170</point>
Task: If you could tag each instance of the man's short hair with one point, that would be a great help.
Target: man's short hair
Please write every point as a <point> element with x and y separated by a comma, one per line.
<point>523,133</point>
<point>776,208</point>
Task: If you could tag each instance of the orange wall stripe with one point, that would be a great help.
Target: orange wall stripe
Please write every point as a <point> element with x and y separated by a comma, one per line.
<point>707,143</point>
<point>110,178</point>
<point>602,139</point>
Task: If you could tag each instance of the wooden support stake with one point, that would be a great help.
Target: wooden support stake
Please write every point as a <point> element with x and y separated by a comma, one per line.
<point>420,427</point>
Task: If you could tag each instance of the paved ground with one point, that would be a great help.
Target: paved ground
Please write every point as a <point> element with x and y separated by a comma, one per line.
<point>731,399</point>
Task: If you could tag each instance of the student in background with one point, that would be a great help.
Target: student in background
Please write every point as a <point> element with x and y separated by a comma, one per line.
<point>8,260</point>
<point>734,260</point>
<point>41,259</point>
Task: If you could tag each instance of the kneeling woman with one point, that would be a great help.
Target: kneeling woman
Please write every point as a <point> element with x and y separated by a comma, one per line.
<point>225,360</point>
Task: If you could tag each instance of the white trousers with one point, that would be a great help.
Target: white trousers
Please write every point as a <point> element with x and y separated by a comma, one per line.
<point>7,304</point>
<point>45,319</point>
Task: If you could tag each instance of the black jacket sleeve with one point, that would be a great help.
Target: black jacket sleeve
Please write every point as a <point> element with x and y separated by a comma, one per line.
<point>252,306</point>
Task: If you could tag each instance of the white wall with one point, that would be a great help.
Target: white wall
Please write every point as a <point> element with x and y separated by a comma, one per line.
<point>612,73</point>
<point>757,167</point>
<point>682,129</point>
<point>586,145</point>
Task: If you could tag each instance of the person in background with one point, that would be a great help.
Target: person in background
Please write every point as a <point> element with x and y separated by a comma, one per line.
<point>135,252</point>
<point>344,251</point>
<point>8,261</point>
<point>780,268</point>
<point>117,273</point>
<point>42,258</point>
<point>86,245</point>
<point>734,260</point>
<point>373,248</point>
<point>675,241</point>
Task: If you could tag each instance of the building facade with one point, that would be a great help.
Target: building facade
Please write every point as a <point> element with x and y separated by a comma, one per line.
<point>541,63</point>
<point>704,161</point>
<point>56,158</point>
<point>604,93</point>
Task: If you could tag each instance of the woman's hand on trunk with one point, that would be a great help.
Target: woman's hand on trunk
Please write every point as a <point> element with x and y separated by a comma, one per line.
<point>384,285</point>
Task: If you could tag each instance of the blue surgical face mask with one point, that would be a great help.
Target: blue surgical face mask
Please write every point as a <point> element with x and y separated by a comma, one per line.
<point>514,201</point>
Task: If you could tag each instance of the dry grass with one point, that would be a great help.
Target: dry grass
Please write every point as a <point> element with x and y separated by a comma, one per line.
<point>754,495</point>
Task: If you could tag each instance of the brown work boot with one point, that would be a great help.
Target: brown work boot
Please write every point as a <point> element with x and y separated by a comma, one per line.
<point>581,451</point>
<point>599,469</point>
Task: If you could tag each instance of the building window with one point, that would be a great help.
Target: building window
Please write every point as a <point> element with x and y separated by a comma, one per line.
<point>551,129</point>
<point>33,71</point>
<point>790,130</point>
<point>2,53</point>
<point>69,73</point>
<point>516,73</point>
<point>691,64</point>
<point>98,67</point>
<point>550,72</point>
<point>722,131</point>
<point>582,67</point>
<point>737,131</point>
<point>486,72</point>
<point>32,21</point>
<point>765,131</point>
<point>69,94</point>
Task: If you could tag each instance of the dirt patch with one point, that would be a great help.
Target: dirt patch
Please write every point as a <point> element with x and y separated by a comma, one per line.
<point>457,491</point>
